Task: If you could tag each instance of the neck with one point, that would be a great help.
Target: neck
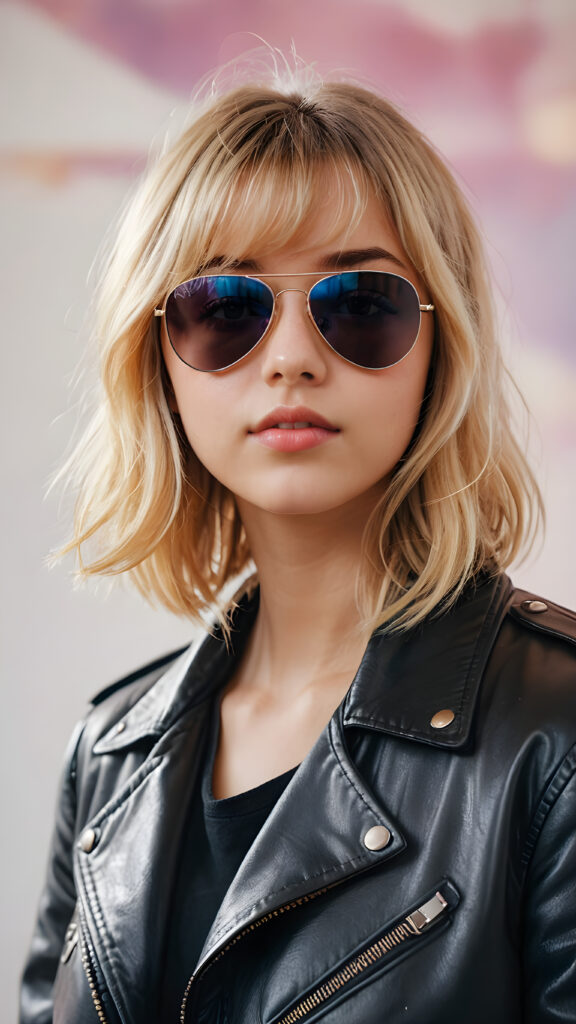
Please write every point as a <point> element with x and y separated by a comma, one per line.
<point>308,625</point>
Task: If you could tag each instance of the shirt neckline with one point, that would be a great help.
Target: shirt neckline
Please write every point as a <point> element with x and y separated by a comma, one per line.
<point>250,800</point>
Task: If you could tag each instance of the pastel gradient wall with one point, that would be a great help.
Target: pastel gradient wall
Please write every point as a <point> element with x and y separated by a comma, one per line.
<point>86,86</point>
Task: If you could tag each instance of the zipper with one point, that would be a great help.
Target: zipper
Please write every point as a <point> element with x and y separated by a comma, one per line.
<point>90,972</point>
<point>246,931</point>
<point>409,928</point>
<point>73,936</point>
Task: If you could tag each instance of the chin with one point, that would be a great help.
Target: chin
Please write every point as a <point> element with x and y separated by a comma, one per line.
<point>307,502</point>
<point>292,506</point>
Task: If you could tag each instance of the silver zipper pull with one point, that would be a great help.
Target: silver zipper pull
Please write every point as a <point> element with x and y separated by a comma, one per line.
<point>70,942</point>
<point>428,912</point>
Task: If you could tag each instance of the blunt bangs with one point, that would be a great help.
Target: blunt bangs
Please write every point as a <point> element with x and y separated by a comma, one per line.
<point>258,187</point>
<point>276,206</point>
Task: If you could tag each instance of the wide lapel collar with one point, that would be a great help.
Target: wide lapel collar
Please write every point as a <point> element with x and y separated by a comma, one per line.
<point>124,880</point>
<point>197,674</point>
<point>126,857</point>
<point>438,665</point>
<point>405,680</point>
<point>314,837</point>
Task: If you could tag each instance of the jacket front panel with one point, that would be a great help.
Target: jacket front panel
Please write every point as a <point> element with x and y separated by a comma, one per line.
<point>478,818</point>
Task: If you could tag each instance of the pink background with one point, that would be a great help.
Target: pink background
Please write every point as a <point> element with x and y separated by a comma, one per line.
<point>86,86</point>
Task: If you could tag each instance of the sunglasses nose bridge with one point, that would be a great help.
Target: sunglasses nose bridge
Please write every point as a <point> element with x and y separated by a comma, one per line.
<point>303,291</point>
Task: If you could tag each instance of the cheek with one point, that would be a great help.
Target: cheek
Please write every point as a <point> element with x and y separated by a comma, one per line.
<point>208,406</point>
<point>399,404</point>
<point>201,419</point>
<point>189,390</point>
<point>184,395</point>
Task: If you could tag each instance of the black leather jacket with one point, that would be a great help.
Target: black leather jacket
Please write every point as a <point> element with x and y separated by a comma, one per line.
<point>420,867</point>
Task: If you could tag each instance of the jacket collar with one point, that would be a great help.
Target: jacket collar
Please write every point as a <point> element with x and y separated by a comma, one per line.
<point>403,680</point>
<point>401,683</point>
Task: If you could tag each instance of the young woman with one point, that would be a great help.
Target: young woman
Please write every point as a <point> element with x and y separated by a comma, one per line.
<point>354,800</point>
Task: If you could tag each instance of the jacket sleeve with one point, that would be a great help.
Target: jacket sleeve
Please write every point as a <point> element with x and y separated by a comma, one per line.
<point>56,904</point>
<point>550,924</point>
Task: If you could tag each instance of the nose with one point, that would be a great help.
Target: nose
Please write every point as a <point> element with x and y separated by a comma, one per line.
<point>293,351</point>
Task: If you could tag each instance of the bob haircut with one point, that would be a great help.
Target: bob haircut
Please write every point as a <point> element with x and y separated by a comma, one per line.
<point>244,178</point>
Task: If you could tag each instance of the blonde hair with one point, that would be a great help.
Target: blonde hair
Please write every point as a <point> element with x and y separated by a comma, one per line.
<point>246,174</point>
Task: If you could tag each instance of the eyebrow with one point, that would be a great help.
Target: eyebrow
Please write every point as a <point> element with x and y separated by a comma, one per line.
<point>354,257</point>
<point>333,261</point>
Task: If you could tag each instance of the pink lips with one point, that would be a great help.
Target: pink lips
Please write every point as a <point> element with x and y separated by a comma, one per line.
<point>291,428</point>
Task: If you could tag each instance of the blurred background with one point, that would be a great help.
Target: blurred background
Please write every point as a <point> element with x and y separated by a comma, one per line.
<point>87,85</point>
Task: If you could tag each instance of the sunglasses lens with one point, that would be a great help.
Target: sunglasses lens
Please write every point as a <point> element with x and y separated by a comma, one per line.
<point>371,318</point>
<point>213,322</point>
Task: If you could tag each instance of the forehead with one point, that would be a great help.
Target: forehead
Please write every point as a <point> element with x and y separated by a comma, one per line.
<point>273,211</point>
<point>323,245</point>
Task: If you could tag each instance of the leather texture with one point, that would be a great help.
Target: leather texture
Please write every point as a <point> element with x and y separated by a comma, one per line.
<point>481,812</point>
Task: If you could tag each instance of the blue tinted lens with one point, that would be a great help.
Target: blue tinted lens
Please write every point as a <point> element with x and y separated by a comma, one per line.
<point>212,322</point>
<point>369,317</point>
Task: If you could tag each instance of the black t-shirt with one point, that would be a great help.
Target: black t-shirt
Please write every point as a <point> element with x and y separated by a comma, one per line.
<point>217,837</point>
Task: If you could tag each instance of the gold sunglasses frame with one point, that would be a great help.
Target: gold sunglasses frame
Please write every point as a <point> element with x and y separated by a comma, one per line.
<point>426,307</point>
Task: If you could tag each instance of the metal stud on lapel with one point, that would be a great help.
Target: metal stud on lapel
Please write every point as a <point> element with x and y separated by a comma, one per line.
<point>377,837</point>
<point>442,718</point>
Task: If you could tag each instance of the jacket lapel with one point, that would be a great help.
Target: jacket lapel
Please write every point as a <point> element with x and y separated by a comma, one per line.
<point>405,680</point>
<point>315,836</point>
<point>313,839</point>
<point>125,881</point>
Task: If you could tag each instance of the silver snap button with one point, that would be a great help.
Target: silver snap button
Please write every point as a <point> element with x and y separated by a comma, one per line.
<point>88,840</point>
<point>377,837</point>
<point>121,726</point>
<point>534,606</point>
<point>442,718</point>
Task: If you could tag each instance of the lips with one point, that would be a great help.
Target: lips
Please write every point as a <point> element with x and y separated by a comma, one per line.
<point>289,430</point>
<point>293,426</point>
<point>292,418</point>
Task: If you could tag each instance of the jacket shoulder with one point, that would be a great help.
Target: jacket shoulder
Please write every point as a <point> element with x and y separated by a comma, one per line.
<point>114,701</point>
<point>540,615</point>
<point>106,709</point>
<point>144,677</point>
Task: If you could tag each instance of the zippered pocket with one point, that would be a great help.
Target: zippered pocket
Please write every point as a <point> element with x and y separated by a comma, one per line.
<point>378,952</point>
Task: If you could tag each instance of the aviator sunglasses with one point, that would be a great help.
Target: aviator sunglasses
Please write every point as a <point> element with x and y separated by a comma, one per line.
<point>369,317</point>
